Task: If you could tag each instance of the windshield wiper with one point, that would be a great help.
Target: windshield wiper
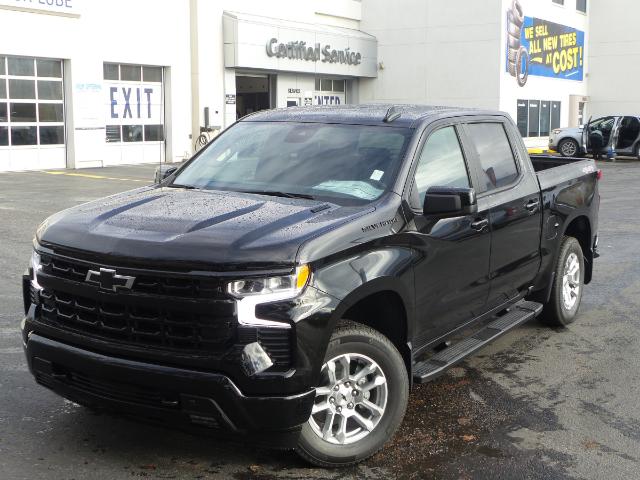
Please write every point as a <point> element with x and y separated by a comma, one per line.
<point>279,194</point>
<point>177,185</point>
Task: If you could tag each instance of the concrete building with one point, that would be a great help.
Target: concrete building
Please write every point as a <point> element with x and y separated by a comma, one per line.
<point>614,58</point>
<point>94,83</point>
<point>276,54</point>
<point>463,53</point>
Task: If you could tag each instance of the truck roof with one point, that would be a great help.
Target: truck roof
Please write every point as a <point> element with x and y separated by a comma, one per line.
<point>364,114</point>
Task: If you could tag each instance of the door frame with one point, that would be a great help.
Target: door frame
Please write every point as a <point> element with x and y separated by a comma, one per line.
<point>420,332</point>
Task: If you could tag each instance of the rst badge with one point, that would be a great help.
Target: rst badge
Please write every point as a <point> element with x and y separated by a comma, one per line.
<point>107,279</point>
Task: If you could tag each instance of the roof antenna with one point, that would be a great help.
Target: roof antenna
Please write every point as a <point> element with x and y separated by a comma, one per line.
<point>392,114</point>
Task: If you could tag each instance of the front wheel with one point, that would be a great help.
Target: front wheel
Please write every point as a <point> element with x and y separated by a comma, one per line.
<point>566,291</point>
<point>360,401</point>
<point>569,147</point>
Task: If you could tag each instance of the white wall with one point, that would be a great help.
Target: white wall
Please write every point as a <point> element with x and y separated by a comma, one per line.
<point>434,51</point>
<point>614,58</point>
<point>121,31</point>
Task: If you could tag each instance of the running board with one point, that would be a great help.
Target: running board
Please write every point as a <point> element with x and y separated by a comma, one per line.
<point>518,314</point>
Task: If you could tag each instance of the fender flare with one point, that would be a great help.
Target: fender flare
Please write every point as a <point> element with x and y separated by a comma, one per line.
<point>377,285</point>
<point>550,276</point>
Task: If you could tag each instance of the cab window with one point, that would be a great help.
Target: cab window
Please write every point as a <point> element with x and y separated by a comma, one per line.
<point>441,164</point>
<point>497,163</point>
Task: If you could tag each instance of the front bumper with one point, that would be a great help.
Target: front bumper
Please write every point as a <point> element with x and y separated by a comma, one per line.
<point>166,394</point>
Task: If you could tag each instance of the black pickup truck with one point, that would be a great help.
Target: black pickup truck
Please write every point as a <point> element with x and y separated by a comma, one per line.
<point>290,282</point>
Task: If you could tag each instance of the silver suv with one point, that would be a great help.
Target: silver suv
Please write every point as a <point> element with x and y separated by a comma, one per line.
<point>620,133</point>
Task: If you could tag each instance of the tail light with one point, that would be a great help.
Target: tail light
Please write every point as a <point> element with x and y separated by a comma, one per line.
<point>599,175</point>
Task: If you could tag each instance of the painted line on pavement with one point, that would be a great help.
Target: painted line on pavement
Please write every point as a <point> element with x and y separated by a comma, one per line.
<point>95,177</point>
<point>538,150</point>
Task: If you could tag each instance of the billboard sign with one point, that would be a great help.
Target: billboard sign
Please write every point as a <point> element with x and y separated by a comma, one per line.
<point>538,47</point>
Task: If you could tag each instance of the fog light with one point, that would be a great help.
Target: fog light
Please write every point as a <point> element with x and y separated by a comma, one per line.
<point>254,359</point>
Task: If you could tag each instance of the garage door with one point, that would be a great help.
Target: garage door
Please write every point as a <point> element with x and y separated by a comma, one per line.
<point>134,114</point>
<point>32,128</point>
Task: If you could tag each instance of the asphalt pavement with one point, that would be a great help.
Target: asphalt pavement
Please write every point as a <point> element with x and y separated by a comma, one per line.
<point>538,403</point>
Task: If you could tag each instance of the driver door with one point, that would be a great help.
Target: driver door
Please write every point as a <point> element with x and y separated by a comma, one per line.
<point>452,275</point>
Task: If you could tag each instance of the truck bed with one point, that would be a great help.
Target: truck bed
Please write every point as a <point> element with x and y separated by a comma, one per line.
<point>553,171</point>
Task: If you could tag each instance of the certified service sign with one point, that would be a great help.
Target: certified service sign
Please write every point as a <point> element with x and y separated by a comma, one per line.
<point>69,8</point>
<point>299,50</point>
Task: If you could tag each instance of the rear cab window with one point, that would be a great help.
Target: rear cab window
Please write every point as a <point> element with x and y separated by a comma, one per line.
<point>497,167</point>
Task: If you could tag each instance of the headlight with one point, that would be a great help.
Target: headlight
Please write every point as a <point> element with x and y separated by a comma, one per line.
<point>292,284</point>
<point>556,131</point>
<point>35,267</point>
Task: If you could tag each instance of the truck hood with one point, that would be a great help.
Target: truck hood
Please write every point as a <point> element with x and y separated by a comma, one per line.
<point>214,229</point>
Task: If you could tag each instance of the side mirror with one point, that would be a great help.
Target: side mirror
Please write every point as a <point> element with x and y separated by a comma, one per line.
<point>163,171</point>
<point>450,201</point>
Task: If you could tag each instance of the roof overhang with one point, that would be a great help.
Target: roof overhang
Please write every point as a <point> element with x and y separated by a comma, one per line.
<point>264,43</point>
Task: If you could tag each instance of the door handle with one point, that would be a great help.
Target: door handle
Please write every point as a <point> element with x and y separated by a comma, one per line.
<point>532,205</point>
<point>480,225</point>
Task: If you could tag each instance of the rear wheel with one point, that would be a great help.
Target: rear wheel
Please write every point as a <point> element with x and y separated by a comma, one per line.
<point>566,293</point>
<point>568,147</point>
<point>360,401</point>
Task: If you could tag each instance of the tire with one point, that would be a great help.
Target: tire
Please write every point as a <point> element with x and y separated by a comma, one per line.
<point>517,12</point>
<point>514,42</point>
<point>362,344</point>
<point>522,73</point>
<point>568,147</point>
<point>637,154</point>
<point>558,311</point>
<point>513,30</point>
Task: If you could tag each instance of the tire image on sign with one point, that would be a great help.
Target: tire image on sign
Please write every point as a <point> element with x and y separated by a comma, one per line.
<point>517,55</point>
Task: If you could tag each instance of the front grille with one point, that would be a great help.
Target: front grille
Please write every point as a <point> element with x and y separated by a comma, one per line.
<point>162,312</point>
<point>148,283</point>
<point>136,325</point>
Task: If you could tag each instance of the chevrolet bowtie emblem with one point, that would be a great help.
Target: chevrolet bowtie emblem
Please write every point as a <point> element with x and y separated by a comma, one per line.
<point>109,280</point>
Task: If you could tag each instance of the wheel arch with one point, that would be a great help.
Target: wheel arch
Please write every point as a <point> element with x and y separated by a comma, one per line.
<point>580,228</point>
<point>384,305</point>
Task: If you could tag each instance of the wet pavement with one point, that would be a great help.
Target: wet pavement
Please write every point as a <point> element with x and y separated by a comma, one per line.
<point>538,403</point>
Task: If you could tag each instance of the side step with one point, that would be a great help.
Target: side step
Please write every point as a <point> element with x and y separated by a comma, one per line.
<point>518,314</point>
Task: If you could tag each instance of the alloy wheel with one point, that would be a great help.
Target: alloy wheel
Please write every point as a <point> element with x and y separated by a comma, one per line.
<point>569,149</point>
<point>351,399</point>
<point>571,281</point>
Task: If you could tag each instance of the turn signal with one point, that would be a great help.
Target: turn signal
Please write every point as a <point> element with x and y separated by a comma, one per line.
<point>303,276</point>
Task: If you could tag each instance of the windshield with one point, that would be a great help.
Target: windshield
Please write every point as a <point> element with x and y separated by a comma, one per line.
<point>347,164</point>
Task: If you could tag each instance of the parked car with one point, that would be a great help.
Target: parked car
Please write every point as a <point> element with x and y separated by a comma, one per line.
<point>291,282</point>
<point>620,133</point>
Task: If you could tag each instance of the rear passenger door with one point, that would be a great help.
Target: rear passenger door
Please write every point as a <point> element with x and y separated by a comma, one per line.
<point>508,188</point>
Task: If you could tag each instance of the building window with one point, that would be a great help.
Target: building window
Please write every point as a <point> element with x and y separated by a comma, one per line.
<point>558,2</point>
<point>581,6</point>
<point>536,118</point>
<point>330,91</point>
<point>31,102</point>
<point>135,105</point>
